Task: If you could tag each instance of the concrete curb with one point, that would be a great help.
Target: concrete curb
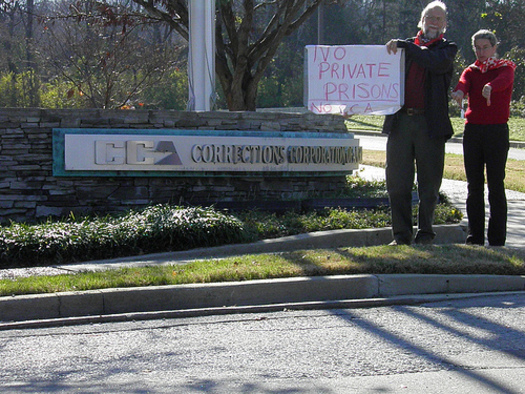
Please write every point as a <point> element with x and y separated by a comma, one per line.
<point>223,298</point>
<point>200,312</point>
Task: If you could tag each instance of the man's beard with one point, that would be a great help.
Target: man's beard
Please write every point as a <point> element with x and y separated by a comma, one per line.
<point>430,35</point>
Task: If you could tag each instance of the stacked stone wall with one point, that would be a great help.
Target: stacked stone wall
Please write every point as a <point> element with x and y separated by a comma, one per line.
<point>29,191</point>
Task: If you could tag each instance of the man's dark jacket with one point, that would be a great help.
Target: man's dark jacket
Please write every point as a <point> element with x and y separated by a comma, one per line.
<point>437,60</point>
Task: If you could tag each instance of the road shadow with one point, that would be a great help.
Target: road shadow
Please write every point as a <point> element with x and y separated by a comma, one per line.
<point>499,337</point>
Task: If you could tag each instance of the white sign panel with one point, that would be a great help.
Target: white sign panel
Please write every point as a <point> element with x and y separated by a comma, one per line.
<point>354,79</point>
<point>143,152</point>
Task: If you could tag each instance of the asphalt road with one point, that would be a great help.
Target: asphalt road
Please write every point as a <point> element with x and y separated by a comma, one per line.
<point>474,345</point>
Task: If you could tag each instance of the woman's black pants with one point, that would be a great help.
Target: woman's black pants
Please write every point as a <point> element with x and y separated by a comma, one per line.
<point>486,147</point>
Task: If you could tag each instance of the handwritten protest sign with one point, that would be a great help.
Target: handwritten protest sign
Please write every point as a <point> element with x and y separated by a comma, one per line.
<point>353,79</point>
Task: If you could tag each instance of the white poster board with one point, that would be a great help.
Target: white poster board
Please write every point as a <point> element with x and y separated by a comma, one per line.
<point>353,79</point>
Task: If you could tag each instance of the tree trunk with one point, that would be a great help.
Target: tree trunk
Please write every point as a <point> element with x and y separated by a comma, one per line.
<point>243,49</point>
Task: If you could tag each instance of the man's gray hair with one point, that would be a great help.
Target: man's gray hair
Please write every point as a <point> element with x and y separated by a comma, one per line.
<point>484,34</point>
<point>431,6</point>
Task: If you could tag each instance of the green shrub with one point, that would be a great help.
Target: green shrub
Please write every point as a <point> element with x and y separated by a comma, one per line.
<point>62,94</point>
<point>19,90</point>
<point>173,95</point>
<point>155,229</point>
<point>271,225</point>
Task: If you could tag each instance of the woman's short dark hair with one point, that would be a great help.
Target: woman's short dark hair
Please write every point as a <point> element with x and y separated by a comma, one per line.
<point>484,34</point>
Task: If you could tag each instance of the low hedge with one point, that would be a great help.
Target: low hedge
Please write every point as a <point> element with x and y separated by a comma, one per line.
<point>155,229</point>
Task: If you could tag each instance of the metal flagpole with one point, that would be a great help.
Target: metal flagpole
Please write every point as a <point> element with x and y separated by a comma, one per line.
<point>201,58</point>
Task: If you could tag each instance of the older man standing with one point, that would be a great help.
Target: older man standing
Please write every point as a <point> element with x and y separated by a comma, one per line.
<point>418,131</point>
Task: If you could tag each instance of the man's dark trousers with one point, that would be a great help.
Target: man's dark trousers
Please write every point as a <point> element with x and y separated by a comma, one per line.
<point>409,141</point>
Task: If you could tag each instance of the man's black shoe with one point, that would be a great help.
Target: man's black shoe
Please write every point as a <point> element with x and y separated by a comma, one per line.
<point>424,241</point>
<point>472,241</point>
<point>397,243</point>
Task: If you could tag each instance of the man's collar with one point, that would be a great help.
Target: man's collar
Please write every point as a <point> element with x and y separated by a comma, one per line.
<point>422,41</point>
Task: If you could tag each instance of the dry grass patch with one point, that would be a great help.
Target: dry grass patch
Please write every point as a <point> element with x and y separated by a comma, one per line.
<point>375,123</point>
<point>454,168</point>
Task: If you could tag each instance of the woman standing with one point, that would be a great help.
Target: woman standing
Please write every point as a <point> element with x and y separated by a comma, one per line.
<point>488,84</point>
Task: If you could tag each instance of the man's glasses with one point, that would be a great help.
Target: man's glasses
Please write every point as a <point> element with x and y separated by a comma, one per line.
<point>435,18</point>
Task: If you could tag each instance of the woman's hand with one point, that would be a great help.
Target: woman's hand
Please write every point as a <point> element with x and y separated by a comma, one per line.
<point>487,90</point>
<point>458,95</point>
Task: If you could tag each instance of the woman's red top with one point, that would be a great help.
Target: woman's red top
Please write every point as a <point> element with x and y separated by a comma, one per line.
<point>471,83</point>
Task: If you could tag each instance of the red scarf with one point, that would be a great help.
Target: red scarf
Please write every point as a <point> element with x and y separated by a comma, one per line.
<point>422,41</point>
<point>492,63</point>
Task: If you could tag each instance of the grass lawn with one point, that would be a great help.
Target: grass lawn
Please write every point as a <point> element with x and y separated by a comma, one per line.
<point>374,123</point>
<point>454,168</point>
<point>443,259</point>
